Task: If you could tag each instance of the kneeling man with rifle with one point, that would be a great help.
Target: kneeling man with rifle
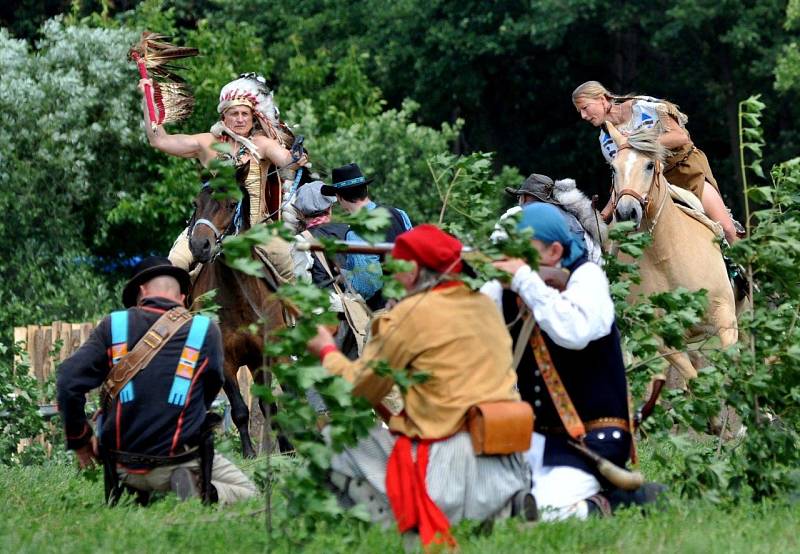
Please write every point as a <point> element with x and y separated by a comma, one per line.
<point>569,367</point>
<point>160,368</point>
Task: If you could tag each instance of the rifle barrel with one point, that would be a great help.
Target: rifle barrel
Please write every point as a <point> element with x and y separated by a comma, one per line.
<point>354,247</point>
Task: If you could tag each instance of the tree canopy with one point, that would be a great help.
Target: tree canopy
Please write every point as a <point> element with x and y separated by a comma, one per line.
<point>389,85</point>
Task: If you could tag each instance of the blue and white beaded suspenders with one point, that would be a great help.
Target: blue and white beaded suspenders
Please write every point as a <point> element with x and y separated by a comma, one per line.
<point>188,362</point>
<point>119,348</point>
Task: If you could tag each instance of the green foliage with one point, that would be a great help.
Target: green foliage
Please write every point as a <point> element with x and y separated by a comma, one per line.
<point>63,109</point>
<point>343,94</point>
<point>50,509</point>
<point>787,67</point>
<point>467,193</point>
<point>308,503</point>
<point>390,147</point>
<point>19,409</point>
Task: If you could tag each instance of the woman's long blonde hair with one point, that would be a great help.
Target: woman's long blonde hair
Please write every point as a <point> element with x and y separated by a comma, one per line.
<point>595,89</point>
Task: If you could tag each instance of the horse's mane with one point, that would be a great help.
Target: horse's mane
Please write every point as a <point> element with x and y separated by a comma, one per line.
<point>645,141</point>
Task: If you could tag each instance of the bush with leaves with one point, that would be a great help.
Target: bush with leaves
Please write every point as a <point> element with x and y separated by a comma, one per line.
<point>19,409</point>
<point>64,108</point>
<point>309,502</point>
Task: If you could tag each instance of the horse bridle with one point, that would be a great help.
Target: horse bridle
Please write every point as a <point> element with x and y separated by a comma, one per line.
<point>219,236</point>
<point>643,200</point>
<point>203,221</point>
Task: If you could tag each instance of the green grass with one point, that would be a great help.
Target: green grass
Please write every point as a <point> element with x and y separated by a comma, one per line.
<point>50,508</point>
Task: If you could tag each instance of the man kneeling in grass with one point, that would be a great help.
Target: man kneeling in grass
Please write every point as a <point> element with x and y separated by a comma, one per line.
<point>154,425</point>
<point>423,470</point>
<point>570,369</point>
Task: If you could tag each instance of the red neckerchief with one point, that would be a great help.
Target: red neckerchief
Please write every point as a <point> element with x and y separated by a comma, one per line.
<point>319,220</point>
<point>447,285</point>
<point>408,494</point>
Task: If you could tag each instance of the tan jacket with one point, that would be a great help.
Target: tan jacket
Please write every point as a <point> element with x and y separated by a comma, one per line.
<point>455,336</point>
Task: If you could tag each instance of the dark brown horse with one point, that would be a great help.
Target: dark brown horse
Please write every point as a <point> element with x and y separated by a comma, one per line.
<point>243,300</point>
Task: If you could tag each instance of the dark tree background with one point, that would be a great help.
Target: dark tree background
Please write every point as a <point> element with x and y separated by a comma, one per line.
<point>492,76</point>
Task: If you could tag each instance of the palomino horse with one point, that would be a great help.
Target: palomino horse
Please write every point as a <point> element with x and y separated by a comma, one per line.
<point>242,299</point>
<point>684,252</point>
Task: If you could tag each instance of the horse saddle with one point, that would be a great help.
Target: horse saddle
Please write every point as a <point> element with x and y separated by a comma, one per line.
<point>689,204</point>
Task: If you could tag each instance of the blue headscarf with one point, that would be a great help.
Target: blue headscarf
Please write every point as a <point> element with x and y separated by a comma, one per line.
<point>549,225</point>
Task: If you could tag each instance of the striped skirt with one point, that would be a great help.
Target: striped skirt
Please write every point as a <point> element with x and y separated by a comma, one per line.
<point>463,485</point>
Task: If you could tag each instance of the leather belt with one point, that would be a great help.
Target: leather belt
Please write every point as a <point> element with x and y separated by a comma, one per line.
<point>131,459</point>
<point>591,425</point>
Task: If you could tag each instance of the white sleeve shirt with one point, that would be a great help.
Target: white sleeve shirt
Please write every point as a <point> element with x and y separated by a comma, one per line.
<point>582,313</point>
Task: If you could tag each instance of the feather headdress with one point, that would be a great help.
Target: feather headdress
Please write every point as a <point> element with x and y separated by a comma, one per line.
<point>251,90</point>
<point>171,94</point>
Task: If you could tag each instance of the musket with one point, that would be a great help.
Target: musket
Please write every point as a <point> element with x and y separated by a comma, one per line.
<point>647,408</point>
<point>553,276</point>
<point>619,477</point>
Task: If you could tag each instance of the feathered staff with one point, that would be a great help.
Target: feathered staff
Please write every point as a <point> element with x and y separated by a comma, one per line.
<point>172,95</point>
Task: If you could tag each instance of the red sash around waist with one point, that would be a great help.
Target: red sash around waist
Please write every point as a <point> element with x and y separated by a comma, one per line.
<point>408,494</point>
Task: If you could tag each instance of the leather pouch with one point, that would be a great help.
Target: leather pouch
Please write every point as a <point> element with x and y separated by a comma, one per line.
<point>500,427</point>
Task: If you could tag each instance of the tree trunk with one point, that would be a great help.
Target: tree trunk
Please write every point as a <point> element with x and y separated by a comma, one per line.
<point>625,60</point>
<point>732,194</point>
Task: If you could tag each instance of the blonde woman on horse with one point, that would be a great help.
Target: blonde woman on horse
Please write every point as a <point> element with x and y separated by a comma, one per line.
<point>250,129</point>
<point>686,166</point>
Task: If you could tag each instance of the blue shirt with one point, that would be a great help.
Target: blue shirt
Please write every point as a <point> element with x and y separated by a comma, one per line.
<point>363,272</point>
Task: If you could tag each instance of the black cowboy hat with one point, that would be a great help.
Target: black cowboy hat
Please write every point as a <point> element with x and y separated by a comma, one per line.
<point>345,177</point>
<point>537,185</point>
<point>149,268</point>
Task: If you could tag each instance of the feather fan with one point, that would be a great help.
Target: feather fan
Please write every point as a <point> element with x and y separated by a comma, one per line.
<point>171,94</point>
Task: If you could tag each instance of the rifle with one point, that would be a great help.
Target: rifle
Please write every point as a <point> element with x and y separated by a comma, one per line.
<point>622,478</point>
<point>553,276</point>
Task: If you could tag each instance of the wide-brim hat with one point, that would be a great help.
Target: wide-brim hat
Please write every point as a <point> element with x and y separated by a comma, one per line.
<point>345,177</point>
<point>537,185</point>
<point>149,268</point>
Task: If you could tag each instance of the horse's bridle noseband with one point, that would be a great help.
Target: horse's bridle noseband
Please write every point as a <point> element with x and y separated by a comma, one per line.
<point>644,201</point>
<point>218,236</point>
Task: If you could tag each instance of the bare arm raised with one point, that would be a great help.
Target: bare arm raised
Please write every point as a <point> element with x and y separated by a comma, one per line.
<point>185,146</point>
<point>199,145</point>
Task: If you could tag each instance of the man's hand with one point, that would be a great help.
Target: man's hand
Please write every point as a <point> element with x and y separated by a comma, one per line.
<point>511,265</point>
<point>302,161</point>
<point>320,341</point>
<point>88,454</point>
<point>143,82</point>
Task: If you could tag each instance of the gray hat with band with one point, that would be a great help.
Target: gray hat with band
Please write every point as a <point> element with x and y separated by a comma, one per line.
<point>536,185</point>
<point>309,199</point>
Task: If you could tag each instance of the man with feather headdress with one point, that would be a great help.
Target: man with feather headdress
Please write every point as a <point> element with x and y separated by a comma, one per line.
<point>250,125</point>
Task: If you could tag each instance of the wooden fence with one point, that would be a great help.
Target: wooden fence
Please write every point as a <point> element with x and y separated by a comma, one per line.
<point>47,345</point>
